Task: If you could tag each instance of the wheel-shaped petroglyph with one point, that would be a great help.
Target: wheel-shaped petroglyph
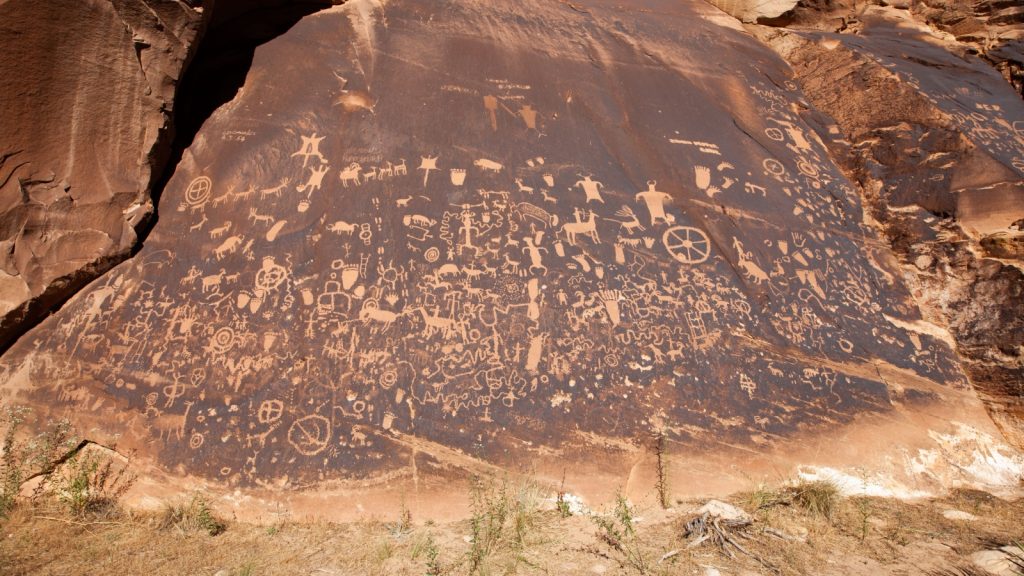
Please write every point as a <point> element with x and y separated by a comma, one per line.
<point>198,191</point>
<point>309,435</point>
<point>688,245</point>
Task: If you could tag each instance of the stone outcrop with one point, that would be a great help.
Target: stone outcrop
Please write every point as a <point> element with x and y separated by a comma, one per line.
<point>941,166</point>
<point>426,239</point>
<point>88,92</point>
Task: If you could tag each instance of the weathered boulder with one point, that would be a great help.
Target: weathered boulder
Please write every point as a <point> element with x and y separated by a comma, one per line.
<point>88,89</point>
<point>755,10</point>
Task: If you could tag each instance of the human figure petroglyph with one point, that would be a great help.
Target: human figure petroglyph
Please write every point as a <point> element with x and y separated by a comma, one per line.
<point>316,179</point>
<point>655,202</point>
<point>535,253</point>
<point>310,147</point>
<point>427,163</point>
<point>591,188</point>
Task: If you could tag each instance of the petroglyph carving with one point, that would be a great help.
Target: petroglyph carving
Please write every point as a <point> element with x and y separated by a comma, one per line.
<point>655,202</point>
<point>591,188</point>
<point>310,147</point>
<point>686,244</point>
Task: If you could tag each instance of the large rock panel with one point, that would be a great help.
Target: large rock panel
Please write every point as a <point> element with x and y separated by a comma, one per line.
<point>435,237</point>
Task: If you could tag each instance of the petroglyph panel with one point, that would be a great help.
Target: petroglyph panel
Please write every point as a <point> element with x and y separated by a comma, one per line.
<point>427,233</point>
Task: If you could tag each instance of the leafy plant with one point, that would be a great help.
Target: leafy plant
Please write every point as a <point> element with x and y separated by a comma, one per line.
<point>23,460</point>
<point>91,482</point>
<point>501,519</point>
<point>618,531</point>
<point>564,510</point>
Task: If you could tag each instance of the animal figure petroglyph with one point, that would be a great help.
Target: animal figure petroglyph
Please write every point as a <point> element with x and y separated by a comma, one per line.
<point>418,220</point>
<point>472,272</point>
<point>220,230</point>
<point>631,225</point>
<point>229,246</point>
<point>401,169</point>
<point>537,213</point>
<point>243,195</point>
<point>198,225</point>
<point>258,218</point>
<point>212,282</point>
<point>448,327</point>
<point>587,228</point>
<point>747,263</point>
<point>489,165</point>
<point>447,270</point>
<point>351,174</point>
<point>371,313</point>
<point>275,191</point>
<point>341,227</point>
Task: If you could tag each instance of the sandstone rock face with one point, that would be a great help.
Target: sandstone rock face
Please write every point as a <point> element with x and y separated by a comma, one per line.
<point>431,238</point>
<point>943,164</point>
<point>754,10</point>
<point>88,88</point>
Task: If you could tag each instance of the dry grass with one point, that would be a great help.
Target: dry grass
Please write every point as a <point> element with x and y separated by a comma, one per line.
<point>192,516</point>
<point>820,497</point>
<point>515,534</point>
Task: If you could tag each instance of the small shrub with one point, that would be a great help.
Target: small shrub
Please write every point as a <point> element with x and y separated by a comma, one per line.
<point>819,497</point>
<point>501,519</point>
<point>194,516</point>
<point>404,524</point>
<point>564,510</point>
<point>864,512</point>
<point>12,463</point>
<point>91,482</point>
<point>22,460</point>
<point>661,483</point>
<point>434,567</point>
<point>618,531</point>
